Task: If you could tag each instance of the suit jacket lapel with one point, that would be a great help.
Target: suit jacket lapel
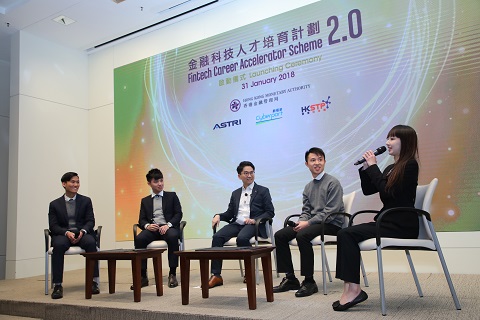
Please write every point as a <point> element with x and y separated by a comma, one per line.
<point>78,200</point>
<point>254,193</point>
<point>164,200</point>
<point>149,204</point>
<point>63,212</point>
<point>237,194</point>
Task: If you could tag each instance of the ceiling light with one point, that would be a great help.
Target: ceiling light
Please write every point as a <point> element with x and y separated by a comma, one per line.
<point>63,20</point>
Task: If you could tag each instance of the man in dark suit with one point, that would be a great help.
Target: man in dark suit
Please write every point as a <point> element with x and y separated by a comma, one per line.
<point>247,204</point>
<point>159,218</point>
<point>71,221</point>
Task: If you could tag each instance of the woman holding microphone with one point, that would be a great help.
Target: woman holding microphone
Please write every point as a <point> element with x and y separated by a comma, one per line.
<point>397,186</point>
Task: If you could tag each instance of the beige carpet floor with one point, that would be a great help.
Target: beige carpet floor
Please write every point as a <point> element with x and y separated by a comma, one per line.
<point>26,298</point>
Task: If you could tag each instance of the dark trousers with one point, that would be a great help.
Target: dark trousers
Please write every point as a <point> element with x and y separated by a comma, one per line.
<point>171,238</point>
<point>348,252</point>
<point>303,237</point>
<point>61,244</point>
<point>243,233</point>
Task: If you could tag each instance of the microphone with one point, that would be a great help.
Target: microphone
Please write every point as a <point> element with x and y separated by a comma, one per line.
<point>377,152</point>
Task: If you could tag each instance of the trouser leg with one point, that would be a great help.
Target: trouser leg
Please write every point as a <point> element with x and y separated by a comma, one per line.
<point>89,244</point>
<point>284,255</point>
<point>142,240</point>
<point>171,237</point>
<point>304,238</point>
<point>60,245</point>
<point>218,240</point>
<point>348,252</point>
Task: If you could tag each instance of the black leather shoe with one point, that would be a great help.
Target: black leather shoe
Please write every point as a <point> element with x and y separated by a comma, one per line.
<point>172,281</point>
<point>287,285</point>
<point>57,292</point>
<point>144,283</point>
<point>362,296</point>
<point>307,289</point>
<point>95,288</point>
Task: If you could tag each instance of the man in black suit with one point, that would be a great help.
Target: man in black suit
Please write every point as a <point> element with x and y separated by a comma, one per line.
<point>247,204</point>
<point>71,221</point>
<point>160,216</point>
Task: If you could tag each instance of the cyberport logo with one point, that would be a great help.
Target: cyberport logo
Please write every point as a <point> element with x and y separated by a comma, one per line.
<point>227,124</point>
<point>264,118</point>
<point>316,108</point>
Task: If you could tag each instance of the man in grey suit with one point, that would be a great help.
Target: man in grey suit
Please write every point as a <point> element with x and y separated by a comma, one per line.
<point>247,204</point>
<point>71,221</point>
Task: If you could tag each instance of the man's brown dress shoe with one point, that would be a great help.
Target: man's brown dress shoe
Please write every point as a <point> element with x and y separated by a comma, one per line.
<point>215,281</point>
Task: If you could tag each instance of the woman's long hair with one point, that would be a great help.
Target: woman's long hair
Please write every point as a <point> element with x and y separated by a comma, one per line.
<point>408,151</point>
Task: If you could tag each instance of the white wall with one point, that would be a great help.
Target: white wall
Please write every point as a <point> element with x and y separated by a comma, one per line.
<point>62,119</point>
<point>48,137</point>
<point>4,129</point>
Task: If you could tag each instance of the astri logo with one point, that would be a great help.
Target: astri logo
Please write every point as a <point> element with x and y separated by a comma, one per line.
<point>227,124</point>
<point>275,115</point>
<point>322,106</point>
<point>235,105</point>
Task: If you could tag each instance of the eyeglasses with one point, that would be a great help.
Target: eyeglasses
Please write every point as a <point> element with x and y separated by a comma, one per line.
<point>248,173</point>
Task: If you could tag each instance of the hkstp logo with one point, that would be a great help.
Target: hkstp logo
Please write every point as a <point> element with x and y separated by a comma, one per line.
<point>322,106</point>
<point>227,124</point>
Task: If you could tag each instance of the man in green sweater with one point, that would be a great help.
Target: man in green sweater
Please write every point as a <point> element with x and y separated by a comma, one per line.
<point>321,196</point>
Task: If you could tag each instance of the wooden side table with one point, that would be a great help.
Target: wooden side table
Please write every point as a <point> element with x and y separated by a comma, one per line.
<point>136,256</point>
<point>247,254</point>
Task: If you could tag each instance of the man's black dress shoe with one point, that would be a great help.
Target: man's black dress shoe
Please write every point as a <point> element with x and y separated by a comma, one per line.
<point>95,288</point>
<point>57,292</point>
<point>172,281</point>
<point>362,296</point>
<point>287,285</point>
<point>144,283</point>
<point>307,289</point>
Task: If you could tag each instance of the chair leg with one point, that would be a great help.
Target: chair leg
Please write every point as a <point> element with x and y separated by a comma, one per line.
<point>46,273</point>
<point>324,277</point>
<point>365,280</point>
<point>272,237</point>
<point>256,272</point>
<point>275,259</point>
<point>380,280</point>
<point>414,274</point>
<point>241,268</point>
<point>444,266</point>
<point>328,269</point>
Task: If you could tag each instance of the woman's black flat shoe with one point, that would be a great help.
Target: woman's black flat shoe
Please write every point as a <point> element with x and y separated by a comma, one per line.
<point>362,296</point>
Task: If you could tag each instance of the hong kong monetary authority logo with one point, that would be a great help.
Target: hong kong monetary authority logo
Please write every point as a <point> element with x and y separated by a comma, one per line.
<point>235,105</point>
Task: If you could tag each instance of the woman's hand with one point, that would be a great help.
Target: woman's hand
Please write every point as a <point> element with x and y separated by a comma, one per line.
<point>370,159</point>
